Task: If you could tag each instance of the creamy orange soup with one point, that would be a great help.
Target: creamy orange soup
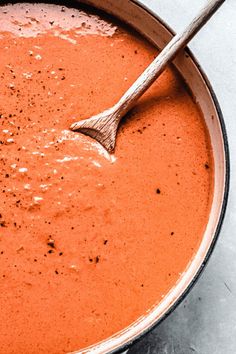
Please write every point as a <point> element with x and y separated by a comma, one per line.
<point>89,242</point>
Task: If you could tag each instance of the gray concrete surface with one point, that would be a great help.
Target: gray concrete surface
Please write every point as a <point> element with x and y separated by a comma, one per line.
<point>205,323</point>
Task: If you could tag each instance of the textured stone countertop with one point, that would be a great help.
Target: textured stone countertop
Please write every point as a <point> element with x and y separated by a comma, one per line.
<point>205,322</point>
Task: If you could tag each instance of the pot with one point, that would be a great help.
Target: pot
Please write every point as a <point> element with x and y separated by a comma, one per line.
<point>156,31</point>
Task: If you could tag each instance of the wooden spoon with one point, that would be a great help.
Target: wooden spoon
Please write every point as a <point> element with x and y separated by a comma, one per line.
<point>103,127</point>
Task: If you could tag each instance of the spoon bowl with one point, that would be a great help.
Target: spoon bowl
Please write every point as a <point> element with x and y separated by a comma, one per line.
<point>101,127</point>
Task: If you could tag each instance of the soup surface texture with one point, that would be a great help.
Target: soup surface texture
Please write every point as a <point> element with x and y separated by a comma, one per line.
<point>89,242</point>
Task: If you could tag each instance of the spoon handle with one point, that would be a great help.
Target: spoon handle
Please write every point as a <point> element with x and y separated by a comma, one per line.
<point>178,42</point>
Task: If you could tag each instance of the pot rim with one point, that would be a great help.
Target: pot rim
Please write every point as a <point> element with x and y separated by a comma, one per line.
<point>124,346</point>
<point>222,213</point>
<point>225,145</point>
<point>120,348</point>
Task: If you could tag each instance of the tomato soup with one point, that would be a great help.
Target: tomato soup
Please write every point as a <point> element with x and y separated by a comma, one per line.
<point>89,242</point>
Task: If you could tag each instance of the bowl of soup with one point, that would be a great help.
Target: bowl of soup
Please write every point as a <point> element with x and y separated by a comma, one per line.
<point>96,248</point>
